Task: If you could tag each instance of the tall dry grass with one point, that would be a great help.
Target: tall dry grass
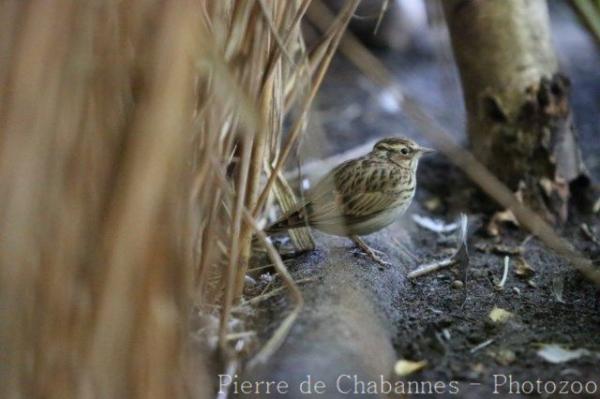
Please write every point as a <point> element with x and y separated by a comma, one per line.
<point>140,141</point>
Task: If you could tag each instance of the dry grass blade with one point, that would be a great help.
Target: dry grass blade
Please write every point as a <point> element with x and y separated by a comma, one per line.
<point>275,291</point>
<point>233,268</point>
<point>90,170</point>
<point>246,132</point>
<point>294,26</point>
<point>329,46</point>
<point>136,208</point>
<point>322,58</point>
<point>384,7</point>
<point>278,337</point>
<point>279,41</point>
<point>124,184</point>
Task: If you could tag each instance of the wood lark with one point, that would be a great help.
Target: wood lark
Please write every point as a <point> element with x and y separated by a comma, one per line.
<point>360,196</point>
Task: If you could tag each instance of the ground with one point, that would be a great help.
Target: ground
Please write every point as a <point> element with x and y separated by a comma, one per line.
<point>444,327</point>
<point>431,318</point>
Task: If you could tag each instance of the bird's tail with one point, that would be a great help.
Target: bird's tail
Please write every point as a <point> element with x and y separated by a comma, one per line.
<point>275,228</point>
<point>291,221</point>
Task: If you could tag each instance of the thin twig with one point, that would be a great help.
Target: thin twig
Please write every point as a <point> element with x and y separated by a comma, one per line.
<point>525,242</point>
<point>273,292</point>
<point>240,335</point>
<point>257,268</point>
<point>460,255</point>
<point>500,285</point>
<point>481,345</point>
<point>431,267</point>
<point>384,8</point>
<point>266,289</point>
<point>589,233</point>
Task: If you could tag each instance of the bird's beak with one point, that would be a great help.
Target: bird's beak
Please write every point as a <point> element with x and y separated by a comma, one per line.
<point>425,150</point>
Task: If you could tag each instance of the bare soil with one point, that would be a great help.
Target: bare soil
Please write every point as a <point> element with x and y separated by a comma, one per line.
<point>445,325</point>
<point>430,319</point>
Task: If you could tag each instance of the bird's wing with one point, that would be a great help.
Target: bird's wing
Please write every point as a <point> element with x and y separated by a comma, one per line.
<point>349,197</point>
<point>323,195</point>
<point>352,208</point>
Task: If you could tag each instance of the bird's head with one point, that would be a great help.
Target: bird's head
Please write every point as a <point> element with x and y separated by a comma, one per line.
<point>401,151</point>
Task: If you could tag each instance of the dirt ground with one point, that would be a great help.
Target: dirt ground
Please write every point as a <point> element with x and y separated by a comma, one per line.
<point>431,318</point>
<point>554,305</point>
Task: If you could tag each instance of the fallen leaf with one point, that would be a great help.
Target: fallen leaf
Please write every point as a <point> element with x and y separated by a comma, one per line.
<point>555,353</point>
<point>557,192</point>
<point>547,185</point>
<point>435,225</point>
<point>558,287</point>
<point>462,254</point>
<point>499,315</point>
<point>502,217</point>
<point>504,356</point>
<point>406,367</point>
<point>506,250</point>
<point>478,368</point>
<point>523,268</point>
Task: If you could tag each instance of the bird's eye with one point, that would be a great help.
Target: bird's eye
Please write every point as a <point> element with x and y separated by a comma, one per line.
<point>404,151</point>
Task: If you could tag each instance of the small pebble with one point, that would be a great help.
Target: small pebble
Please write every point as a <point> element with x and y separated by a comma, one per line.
<point>433,204</point>
<point>457,284</point>
<point>446,334</point>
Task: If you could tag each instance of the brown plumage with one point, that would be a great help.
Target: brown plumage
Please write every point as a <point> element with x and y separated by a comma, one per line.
<point>362,195</point>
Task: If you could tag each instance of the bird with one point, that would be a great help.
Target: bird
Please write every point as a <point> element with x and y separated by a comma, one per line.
<point>360,196</point>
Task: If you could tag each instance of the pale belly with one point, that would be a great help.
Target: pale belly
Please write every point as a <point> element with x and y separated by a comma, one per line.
<point>368,226</point>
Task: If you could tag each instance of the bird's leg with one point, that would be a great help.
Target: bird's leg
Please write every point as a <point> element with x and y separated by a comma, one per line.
<point>370,252</point>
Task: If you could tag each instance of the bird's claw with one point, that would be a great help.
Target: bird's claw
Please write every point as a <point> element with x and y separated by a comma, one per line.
<point>378,259</point>
<point>374,254</point>
<point>375,258</point>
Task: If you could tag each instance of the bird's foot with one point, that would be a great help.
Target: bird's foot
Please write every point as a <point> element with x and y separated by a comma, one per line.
<point>376,258</point>
<point>374,254</point>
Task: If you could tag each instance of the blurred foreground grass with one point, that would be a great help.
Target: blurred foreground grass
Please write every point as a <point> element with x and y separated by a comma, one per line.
<point>135,134</point>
